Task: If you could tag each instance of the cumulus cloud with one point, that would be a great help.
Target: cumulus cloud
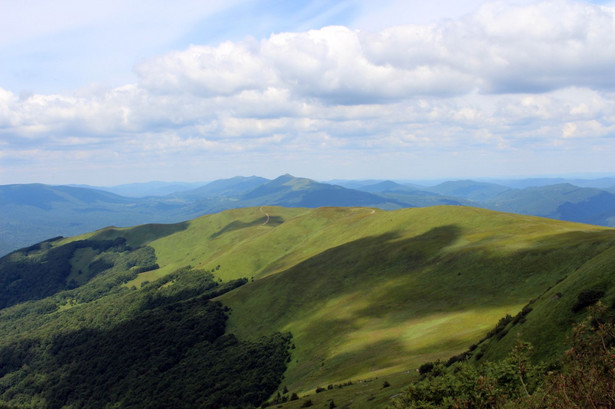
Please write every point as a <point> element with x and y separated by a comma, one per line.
<point>508,77</point>
<point>207,71</point>
<point>500,49</point>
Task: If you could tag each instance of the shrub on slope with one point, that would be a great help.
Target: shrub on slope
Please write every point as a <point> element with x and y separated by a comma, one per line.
<point>583,378</point>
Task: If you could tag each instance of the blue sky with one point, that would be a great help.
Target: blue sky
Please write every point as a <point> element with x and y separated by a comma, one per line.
<point>115,92</point>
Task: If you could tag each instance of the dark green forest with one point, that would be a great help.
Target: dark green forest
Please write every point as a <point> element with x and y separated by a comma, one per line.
<point>164,346</point>
<point>42,270</point>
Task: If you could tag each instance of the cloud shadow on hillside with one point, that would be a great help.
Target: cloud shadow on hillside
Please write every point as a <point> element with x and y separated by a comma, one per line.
<point>141,235</point>
<point>271,221</point>
<point>392,280</point>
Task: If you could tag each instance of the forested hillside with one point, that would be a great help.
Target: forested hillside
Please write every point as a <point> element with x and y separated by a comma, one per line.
<point>162,346</point>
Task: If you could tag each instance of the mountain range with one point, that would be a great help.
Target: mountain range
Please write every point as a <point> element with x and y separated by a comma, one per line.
<point>35,212</point>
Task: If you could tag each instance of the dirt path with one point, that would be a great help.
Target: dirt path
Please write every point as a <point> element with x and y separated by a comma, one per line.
<point>266,214</point>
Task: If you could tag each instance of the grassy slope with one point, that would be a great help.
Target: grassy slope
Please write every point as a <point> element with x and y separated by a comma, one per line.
<point>548,325</point>
<point>369,293</point>
<point>372,293</point>
<point>421,284</point>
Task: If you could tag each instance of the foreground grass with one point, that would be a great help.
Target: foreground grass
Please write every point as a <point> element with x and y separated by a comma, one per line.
<point>358,394</point>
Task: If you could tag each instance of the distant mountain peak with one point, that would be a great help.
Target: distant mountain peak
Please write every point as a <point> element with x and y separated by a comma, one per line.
<point>290,180</point>
<point>285,177</point>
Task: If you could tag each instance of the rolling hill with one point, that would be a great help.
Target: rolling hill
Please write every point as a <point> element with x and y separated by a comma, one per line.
<point>364,292</point>
<point>31,213</point>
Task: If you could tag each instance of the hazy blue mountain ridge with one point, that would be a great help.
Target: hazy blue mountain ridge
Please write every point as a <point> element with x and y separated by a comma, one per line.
<point>145,189</point>
<point>600,183</point>
<point>290,191</point>
<point>469,189</point>
<point>224,187</point>
<point>562,201</point>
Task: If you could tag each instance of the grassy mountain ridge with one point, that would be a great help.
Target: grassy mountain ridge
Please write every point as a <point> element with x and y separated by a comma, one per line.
<point>359,281</point>
<point>31,213</point>
<point>365,292</point>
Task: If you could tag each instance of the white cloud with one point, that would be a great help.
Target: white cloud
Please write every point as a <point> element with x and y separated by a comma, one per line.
<point>501,48</point>
<point>206,71</point>
<point>508,78</point>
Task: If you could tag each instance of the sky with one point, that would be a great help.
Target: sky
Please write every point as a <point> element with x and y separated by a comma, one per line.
<point>112,92</point>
